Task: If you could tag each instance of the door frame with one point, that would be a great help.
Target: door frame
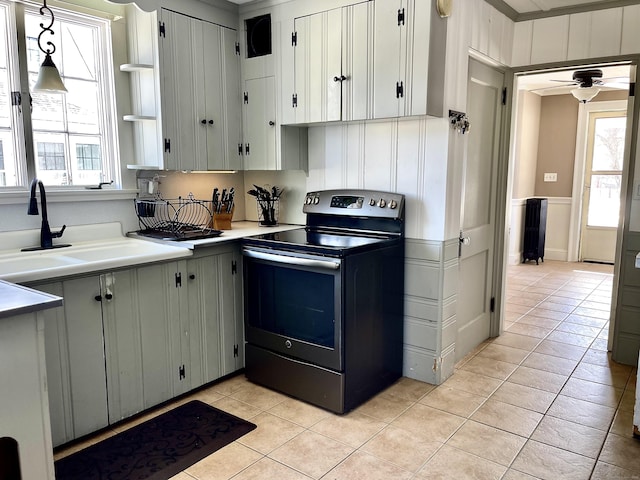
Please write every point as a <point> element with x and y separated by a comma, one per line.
<point>580,163</point>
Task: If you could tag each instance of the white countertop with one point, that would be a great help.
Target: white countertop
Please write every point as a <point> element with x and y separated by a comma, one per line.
<point>18,300</point>
<point>101,247</point>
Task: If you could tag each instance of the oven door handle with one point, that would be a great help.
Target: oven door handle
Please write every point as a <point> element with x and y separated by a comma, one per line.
<point>298,261</point>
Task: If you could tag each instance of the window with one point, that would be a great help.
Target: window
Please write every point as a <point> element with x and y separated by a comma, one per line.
<point>74,135</point>
<point>604,177</point>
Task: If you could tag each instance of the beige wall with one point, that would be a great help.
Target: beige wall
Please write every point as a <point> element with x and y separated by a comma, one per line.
<point>557,141</point>
<point>526,144</point>
<point>557,144</point>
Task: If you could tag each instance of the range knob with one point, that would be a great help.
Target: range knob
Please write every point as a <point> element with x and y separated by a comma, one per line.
<point>316,200</point>
<point>382,203</point>
<point>308,200</point>
<point>393,204</point>
<point>372,202</point>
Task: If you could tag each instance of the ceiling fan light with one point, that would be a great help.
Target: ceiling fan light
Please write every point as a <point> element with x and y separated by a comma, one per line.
<point>584,95</point>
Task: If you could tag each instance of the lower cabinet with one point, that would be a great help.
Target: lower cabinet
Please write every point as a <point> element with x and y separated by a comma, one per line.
<point>127,340</point>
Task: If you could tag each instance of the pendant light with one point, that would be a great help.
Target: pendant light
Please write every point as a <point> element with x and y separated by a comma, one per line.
<point>49,80</point>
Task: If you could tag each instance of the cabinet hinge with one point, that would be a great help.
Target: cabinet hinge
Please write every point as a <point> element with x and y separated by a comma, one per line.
<point>492,305</point>
<point>235,350</point>
<point>237,48</point>
<point>246,97</point>
<point>178,280</point>
<point>234,267</point>
<point>246,148</point>
<point>294,39</point>
<point>401,16</point>
<point>163,32</point>
<point>504,95</point>
<point>181,372</point>
<point>167,145</point>
<point>16,99</point>
<point>399,90</point>
<point>239,149</point>
<point>294,100</point>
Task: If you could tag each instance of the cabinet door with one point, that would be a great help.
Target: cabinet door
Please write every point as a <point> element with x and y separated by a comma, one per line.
<point>180,67</point>
<point>231,101</point>
<point>389,47</point>
<point>401,57</point>
<point>318,67</point>
<point>357,61</point>
<point>209,82</point>
<point>74,347</point>
<point>259,118</point>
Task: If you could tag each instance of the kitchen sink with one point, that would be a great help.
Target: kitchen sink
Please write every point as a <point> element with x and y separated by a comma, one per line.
<point>125,249</point>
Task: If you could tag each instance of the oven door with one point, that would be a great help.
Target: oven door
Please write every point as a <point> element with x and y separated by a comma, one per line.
<point>293,305</point>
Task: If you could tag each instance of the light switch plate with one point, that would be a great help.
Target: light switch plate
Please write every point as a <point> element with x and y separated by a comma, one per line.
<point>551,177</point>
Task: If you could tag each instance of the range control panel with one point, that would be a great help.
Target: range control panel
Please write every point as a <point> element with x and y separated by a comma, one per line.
<point>360,203</point>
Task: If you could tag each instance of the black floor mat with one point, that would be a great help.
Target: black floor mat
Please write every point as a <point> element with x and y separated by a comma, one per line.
<point>158,448</point>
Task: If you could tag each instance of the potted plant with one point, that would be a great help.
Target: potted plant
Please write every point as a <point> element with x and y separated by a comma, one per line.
<point>267,200</point>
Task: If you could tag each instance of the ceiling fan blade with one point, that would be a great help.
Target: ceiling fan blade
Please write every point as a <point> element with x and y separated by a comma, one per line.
<point>570,84</point>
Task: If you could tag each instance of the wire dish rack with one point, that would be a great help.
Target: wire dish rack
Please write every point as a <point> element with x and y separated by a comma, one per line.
<point>175,219</point>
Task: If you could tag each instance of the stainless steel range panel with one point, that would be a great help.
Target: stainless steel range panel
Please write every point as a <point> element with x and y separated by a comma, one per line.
<point>324,303</point>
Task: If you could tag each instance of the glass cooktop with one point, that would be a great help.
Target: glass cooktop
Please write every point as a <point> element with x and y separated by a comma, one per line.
<point>307,239</point>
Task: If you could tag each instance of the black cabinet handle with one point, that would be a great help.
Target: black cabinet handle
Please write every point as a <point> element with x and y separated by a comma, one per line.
<point>108,296</point>
<point>203,121</point>
<point>210,122</point>
<point>271,123</point>
<point>192,277</point>
<point>98,298</point>
<point>341,78</point>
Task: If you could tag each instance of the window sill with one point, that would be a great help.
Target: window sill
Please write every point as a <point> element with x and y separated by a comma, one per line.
<point>16,197</point>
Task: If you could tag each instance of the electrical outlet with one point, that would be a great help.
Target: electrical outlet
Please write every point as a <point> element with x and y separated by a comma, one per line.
<point>550,177</point>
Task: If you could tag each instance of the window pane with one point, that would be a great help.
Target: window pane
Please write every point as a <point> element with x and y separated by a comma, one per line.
<point>608,146</point>
<point>8,162</point>
<point>78,48</point>
<point>47,113</point>
<point>604,201</point>
<point>87,164</point>
<point>82,107</point>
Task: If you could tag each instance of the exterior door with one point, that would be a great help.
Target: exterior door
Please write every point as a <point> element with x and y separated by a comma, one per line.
<point>603,180</point>
<point>476,263</point>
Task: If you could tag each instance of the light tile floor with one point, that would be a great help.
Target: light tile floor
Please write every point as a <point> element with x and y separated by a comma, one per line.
<point>543,400</point>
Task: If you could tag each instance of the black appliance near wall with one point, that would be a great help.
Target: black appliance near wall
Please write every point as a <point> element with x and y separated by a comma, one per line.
<point>324,303</point>
<point>535,226</point>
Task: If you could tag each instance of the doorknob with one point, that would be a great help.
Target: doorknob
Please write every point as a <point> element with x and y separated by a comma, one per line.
<point>462,241</point>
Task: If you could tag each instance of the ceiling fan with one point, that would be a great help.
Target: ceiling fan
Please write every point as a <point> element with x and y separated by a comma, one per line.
<point>588,83</point>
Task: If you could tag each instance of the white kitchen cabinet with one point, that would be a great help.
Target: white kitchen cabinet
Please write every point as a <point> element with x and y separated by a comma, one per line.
<point>74,346</point>
<point>332,65</point>
<point>259,124</point>
<point>401,58</point>
<point>199,77</point>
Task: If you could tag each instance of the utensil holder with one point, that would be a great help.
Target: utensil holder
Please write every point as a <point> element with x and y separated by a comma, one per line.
<point>222,220</point>
<point>268,213</point>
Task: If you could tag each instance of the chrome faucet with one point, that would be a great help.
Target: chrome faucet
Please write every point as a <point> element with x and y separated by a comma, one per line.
<point>46,235</point>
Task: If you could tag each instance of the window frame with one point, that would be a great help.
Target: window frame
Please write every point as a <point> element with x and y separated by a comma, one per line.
<point>23,132</point>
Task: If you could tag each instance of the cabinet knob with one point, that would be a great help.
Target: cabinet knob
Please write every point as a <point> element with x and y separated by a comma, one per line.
<point>108,296</point>
<point>341,78</point>
<point>203,121</point>
<point>98,298</point>
<point>210,122</point>
<point>192,277</point>
<point>271,123</point>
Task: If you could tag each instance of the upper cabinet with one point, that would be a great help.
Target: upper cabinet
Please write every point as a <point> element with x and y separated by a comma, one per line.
<point>200,85</point>
<point>332,65</point>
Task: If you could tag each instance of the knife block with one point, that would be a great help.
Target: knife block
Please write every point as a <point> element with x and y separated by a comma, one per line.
<point>222,220</point>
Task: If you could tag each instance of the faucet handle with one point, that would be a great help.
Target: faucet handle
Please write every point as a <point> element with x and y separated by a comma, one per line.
<point>58,234</point>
